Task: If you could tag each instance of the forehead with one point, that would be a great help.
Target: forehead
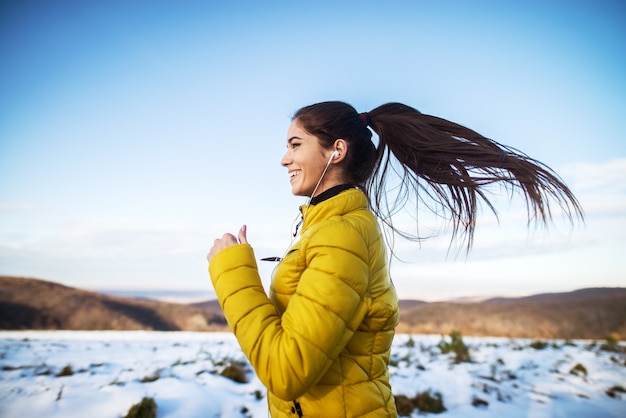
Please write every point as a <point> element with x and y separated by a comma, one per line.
<point>297,132</point>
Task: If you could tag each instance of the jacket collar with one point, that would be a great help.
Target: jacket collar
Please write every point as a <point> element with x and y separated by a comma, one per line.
<point>339,203</point>
<point>327,194</point>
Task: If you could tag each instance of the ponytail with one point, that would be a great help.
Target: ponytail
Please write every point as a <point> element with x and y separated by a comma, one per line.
<point>437,161</point>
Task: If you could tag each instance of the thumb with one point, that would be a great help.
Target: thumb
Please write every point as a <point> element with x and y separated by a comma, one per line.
<point>243,236</point>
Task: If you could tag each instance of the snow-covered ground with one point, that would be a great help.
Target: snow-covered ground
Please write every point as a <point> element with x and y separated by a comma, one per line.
<point>107,372</point>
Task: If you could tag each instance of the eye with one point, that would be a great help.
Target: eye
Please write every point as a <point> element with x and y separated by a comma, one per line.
<point>295,144</point>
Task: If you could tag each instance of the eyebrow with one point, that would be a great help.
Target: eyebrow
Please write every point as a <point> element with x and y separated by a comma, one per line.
<point>290,140</point>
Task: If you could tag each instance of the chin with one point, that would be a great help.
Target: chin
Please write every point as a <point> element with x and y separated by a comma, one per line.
<point>298,192</point>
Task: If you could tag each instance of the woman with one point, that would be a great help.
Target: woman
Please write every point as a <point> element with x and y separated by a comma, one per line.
<point>320,342</point>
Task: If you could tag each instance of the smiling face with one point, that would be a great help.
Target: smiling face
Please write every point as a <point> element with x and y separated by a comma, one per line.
<point>305,161</point>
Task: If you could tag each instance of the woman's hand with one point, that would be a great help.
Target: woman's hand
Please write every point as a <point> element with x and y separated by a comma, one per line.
<point>226,241</point>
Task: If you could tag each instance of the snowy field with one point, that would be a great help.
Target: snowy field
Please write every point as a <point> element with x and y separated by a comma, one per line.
<point>101,374</point>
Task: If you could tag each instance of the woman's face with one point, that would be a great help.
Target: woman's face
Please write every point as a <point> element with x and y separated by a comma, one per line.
<point>305,161</point>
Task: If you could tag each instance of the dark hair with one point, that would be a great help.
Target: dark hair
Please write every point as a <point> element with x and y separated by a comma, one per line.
<point>330,121</point>
<point>441,163</point>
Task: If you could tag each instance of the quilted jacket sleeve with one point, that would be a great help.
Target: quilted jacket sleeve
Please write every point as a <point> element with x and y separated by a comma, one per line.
<point>292,353</point>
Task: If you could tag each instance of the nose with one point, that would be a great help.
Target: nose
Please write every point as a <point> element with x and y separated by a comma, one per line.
<point>286,160</point>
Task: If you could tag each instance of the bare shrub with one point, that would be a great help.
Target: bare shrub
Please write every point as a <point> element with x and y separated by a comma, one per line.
<point>615,391</point>
<point>236,371</point>
<point>153,378</point>
<point>66,371</point>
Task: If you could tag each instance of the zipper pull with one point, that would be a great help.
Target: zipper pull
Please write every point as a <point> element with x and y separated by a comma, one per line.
<point>296,408</point>
<point>272,259</point>
<point>298,225</point>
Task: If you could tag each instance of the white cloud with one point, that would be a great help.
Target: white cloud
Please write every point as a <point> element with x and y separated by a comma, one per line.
<point>16,206</point>
<point>593,178</point>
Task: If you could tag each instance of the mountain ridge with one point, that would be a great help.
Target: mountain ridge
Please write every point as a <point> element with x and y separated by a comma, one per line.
<point>591,313</point>
<point>27,303</point>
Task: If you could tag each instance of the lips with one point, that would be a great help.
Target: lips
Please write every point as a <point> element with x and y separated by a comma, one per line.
<point>294,173</point>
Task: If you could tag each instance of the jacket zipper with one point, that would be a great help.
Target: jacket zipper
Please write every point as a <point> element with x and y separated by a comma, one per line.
<point>297,408</point>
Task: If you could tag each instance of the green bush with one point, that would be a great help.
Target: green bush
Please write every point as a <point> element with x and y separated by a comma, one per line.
<point>411,342</point>
<point>426,402</point>
<point>611,344</point>
<point>456,346</point>
<point>423,402</point>
<point>147,408</point>
<point>538,345</point>
<point>579,370</point>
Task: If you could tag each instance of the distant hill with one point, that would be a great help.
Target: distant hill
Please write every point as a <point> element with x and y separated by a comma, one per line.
<point>408,304</point>
<point>587,313</point>
<point>581,294</point>
<point>37,304</point>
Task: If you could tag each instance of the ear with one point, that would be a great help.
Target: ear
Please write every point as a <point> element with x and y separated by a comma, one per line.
<point>341,148</point>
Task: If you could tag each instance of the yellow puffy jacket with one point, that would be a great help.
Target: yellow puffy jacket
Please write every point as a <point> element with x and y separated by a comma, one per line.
<point>321,341</point>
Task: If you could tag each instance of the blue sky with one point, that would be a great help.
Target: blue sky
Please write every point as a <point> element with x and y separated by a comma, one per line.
<point>134,133</point>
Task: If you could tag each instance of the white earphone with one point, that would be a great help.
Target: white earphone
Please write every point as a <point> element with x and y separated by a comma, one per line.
<point>334,155</point>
